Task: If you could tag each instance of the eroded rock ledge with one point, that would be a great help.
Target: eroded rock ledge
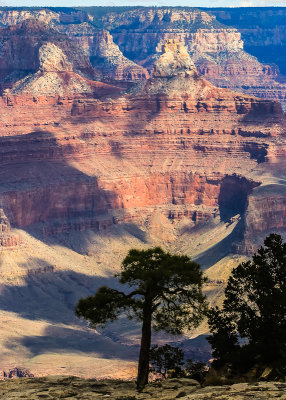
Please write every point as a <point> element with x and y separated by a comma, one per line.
<point>59,387</point>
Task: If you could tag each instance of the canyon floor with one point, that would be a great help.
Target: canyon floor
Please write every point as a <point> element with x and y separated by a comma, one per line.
<point>40,285</point>
<point>186,389</point>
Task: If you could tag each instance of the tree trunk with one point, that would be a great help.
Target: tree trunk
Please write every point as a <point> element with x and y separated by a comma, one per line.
<point>143,365</point>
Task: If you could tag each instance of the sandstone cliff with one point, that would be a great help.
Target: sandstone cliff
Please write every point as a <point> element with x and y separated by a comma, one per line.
<point>20,53</point>
<point>263,31</point>
<point>10,17</point>
<point>175,162</point>
<point>14,15</point>
<point>7,238</point>
<point>177,105</point>
<point>218,51</point>
<point>138,34</point>
<point>56,76</point>
<point>104,54</point>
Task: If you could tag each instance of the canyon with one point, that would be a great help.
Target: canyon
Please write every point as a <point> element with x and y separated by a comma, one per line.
<point>123,43</point>
<point>102,151</point>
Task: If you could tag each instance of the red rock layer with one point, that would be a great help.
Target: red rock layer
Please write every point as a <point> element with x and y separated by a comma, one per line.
<point>177,145</point>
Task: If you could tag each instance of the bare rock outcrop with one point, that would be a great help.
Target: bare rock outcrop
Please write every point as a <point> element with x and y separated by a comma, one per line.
<point>175,162</point>
<point>15,373</point>
<point>124,45</point>
<point>7,238</point>
<point>185,389</point>
<point>52,59</point>
<point>174,60</point>
<point>16,16</point>
<point>217,50</point>
<point>105,55</point>
<point>108,57</point>
<point>56,76</point>
<point>25,45</point>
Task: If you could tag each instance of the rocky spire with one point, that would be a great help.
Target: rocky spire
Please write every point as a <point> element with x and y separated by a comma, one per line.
<point>175,74</point>
<point>175,60</point>
<point>52,59</point>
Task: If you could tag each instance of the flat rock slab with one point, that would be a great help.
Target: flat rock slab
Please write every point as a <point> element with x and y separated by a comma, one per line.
<point>58,387</point>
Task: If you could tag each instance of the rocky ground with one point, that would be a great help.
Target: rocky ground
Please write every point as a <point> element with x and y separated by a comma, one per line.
<point>59,387</point>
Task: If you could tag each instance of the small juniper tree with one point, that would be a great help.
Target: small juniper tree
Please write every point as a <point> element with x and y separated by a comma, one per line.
<point>196,370</point>
<point>251,326</point>
<point>165,292</point>
<point>166,358</point>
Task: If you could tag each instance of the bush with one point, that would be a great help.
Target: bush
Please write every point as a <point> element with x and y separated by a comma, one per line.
<point>196,370</point>
<point>166,360</point>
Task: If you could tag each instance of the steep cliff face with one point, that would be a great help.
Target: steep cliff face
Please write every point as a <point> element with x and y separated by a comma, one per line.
<point>117,41</point>
<point>217,51</point>
<point>56,76</point>
<point>174,161</point>
<point>10,17</point>
<point>184,120</point>
<point>7,238</point>
<point>263,31</point>
<point>104,54</point>
<point>22,49</point>
<point>14,15</point>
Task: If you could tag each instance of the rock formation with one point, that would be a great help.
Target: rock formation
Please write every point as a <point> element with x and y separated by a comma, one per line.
<point>14,16</point>
<point>105,55</point>
<point>217,50</point>
<point>173,161</point>
<point>185,389</point>
<point>117,41</point>
<point>20,53</point>
<point>56,77</point>
<point>176,105</point>
<point>263,31</point>
<point>16,373</point>
<point>7,238</point>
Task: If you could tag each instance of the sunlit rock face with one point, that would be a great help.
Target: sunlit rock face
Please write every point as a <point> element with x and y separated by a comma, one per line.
<point>90,170</point>
<point>169,145</point>
<point>219,51</point>
<point>124,45</point>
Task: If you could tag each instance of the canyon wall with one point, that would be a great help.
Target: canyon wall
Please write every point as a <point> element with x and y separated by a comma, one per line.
<point>173,144</point>
<point>124,43</point>
<point>218,50</point>
<point>90,169</point>
<point>263,31</point>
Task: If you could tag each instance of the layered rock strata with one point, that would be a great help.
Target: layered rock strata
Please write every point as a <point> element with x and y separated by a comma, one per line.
<point>104,54</point>
<point>7,238</point>
<point>186,389</point>
<point>177,142</point>
<point>117,41</point>
<point>174,162</point>
<point>25,46</point>
<point>218,51</point>
<point>263,31</point>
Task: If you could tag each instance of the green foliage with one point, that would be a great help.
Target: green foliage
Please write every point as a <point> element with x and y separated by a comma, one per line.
<point>251,327</point>
<point>162,290</point>
<point>106,305</point>
<point>166,358</point>
<point>196,370</point>
<point>172,283</point>
<point>168,361</point>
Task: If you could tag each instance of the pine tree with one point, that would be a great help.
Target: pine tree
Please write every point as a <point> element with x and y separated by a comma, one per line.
<point>161,290</point>
<point>251,326</point>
